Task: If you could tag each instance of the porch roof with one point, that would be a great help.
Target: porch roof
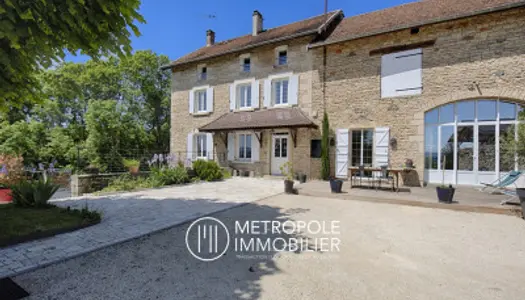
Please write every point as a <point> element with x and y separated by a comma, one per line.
<point>260,119</point>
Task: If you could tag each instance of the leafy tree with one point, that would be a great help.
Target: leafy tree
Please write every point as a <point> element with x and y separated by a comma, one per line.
<point>325,149</point>
<point>146,90</point>
<point>35,34</point>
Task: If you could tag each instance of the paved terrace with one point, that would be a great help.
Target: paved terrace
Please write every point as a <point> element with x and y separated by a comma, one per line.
<point>130,215</point>
<point>466,198</point>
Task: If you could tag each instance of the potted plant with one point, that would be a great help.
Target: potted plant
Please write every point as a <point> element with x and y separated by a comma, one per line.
<point>335,185</point>
<point>132,165</point>
<point>521,194</point>
<point>409,164</point>
<point>445,194</point>
<point>302,178</point>
<point>287,171</point>
<point>11,172</point>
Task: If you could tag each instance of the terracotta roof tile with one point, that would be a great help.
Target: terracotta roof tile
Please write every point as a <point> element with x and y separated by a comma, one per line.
<point>411,15</point>
<point>304,27</point>
<point>260,119</point>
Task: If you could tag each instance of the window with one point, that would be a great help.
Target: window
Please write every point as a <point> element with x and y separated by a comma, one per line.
<point>200,101</point>
<point>282,58</point>
<point>245,146</point>
<point>280,91</point>
<point>244,94</point>
<point>246,65</point>
<point>315,148</point>
<point>362,147</point>
<point>200,142</point>
<point>203,73</point>
<point>401,73</point>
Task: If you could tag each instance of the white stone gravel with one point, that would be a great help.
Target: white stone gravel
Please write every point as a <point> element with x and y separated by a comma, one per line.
<point>130,215</point>
<point>387,252</point>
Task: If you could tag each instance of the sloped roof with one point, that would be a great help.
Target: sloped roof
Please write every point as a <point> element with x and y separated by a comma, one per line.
<point>302,28</point>
<point>412,15</point>
<point>260,119</point>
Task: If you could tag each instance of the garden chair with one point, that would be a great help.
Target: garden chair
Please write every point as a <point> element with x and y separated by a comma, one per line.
<point>361,174</point>
<point>502,183</point>
<point>384,176</point>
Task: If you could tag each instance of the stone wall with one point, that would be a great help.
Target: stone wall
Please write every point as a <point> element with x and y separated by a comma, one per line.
<point>463,64</point>
<point>90,183</point>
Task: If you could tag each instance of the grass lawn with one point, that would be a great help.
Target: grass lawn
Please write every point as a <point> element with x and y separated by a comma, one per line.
<point>19,224</point>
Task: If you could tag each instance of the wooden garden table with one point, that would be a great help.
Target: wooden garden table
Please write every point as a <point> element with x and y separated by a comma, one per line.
<point>394,171</point>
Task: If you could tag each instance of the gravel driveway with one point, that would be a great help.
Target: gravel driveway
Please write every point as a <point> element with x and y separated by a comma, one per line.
<point>387,252</point>
<point>129,215</point>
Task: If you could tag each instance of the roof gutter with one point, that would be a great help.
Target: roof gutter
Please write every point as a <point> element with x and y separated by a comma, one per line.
<point>280,39</point>
<point>431,21</point>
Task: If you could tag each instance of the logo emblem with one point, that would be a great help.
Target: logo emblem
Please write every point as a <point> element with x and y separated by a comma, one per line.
<point>207,239</point>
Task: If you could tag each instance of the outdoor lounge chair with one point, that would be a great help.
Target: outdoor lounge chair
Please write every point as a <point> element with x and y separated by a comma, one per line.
<point>502,183</point>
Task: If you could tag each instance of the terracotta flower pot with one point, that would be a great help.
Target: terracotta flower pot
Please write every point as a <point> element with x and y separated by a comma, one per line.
<point>5,195</point>
<point>134,170</point>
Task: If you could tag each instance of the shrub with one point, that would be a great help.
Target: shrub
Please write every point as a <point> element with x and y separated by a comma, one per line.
<point>33,193</point>
<point>127,182</point>
<point>130,163</point>
<point>207,170</point>
<point>11,170</point>
<point>325,148</point>
<point>166,175</point>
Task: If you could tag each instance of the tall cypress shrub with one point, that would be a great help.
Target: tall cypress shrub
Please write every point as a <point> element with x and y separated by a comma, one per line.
<point>325,149</point>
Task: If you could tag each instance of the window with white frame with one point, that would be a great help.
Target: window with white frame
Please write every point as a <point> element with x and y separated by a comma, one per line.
<point>281,55</point>
<point>244,146</point>
<point>246,64</point>
<point>280,91</point>
<point>244,95</point>
<point>401,73</point>
<point>362,146</point>
<point>200,145</point>
<point>203,72</point>
<point>200,100</point>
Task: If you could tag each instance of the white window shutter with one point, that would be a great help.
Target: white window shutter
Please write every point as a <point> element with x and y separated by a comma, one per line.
<point>341,153</point>
<point>381,141</point>
<point>293,90</point>
<point>255,94</point>
<point>267,93</point>
<point>232,97</point>
<point>209,99</point>
<point>255,147</point>
<point>401,73</point>
<point>231,146</point>
<point>191,101</point>
<point>209,145</point>
<point>189,147</point>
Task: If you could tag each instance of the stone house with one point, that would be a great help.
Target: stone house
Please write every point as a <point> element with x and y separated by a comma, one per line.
<point>437,82</point>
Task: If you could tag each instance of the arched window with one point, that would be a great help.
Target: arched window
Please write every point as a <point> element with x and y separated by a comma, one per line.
<point>462,140</point>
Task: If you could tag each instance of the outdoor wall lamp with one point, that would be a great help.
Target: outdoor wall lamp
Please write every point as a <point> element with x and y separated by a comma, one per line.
<point>393,143</point>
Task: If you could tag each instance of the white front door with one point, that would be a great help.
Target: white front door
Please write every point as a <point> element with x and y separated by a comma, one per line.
<point>279,152</point>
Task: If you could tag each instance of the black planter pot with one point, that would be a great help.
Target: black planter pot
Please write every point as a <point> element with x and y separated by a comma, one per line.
<point>445,194</point>
<point>521,194</point>
<point>288,186</point>
<point>302,178</point>
<point>336,185</point>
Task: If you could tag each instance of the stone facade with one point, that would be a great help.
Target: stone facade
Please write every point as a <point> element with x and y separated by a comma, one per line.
<point>222,72</point>
<point>466,62</point>
<point>462,64</point>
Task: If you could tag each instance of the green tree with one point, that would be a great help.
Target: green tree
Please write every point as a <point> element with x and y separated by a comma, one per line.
<point>325,149</point>
<point>146,91</point>
<point>36,34</point>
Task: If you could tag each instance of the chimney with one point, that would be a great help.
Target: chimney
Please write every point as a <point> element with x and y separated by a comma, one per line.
<point>257,23</point>
<point>210,37</point>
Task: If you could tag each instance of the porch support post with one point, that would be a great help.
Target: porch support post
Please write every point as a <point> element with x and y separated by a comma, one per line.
<point>293,132</point>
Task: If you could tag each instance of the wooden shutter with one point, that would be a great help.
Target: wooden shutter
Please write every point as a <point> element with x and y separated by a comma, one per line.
<point>401,73</point>
<point>267,101</point>
<point>231,146</point>
<point>191,101</point>
<point>232,97</point>
<point>255,147</point>
<point>293,90</point>
<point>255,94</point>
<point>189,147</point>
<point>341,153</point>
<point>209,146</point>
<point>381,141</point>
<point>209,99</point>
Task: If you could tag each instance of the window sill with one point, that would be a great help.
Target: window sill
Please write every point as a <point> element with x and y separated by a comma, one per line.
<point>241,161</point>
<point>245,109</point>
<point>280,106</point>
<point>280,66</point>
<point>202,113</point>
